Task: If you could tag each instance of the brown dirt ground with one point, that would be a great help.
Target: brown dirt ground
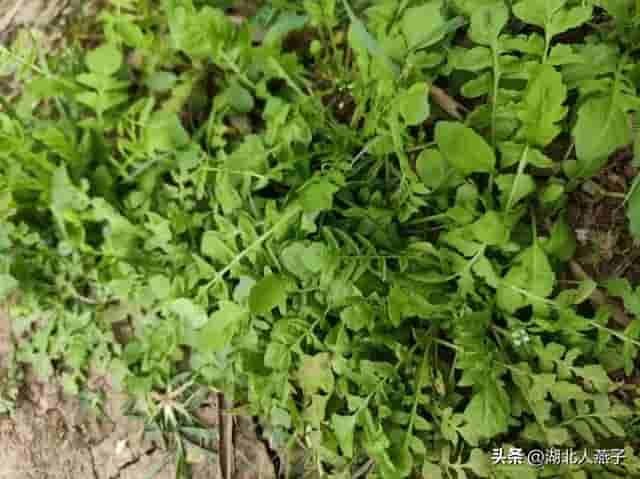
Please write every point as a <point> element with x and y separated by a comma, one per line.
<point>605,247</point>
<point>50,436</point>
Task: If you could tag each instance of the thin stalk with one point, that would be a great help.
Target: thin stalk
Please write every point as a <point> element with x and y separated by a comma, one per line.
<point>522,164</point>
<point>495,50</point>
<point>264,237</point>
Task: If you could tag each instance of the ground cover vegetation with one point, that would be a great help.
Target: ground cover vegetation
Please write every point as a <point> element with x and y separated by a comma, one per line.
<point>350,217</point>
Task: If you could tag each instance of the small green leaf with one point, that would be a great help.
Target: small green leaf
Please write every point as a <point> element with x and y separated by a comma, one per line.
<point>8,284</point>
<point>160,285</point>
<point>512,152</point>
<point>344,427</point>
<point>226,193</point>
<point>161,81</point>
<point>463,148</point>
<point>543,107</point>
<point>423,25</point>
<point>240,98</point>
<point>487,22</point>
<point>193,314</point>
<point>286,23</point>
<point>318,195</point>
<point>584,431</point>
<point>402,461</point>
<point>250,156</point>
<point>213,247</point>
<point>104,60</point>
<point>488,412</point>
<point>483,268</point>
<point>432,168</point>
<point>315,374</point>
<point>564,391</point>
<point>421,424</point>
<point>277,356</point>
<point>164,132</point>
<point>490,229</point>
<point>562,242</point>
<point>514,188</point>
<point>595,374</point>
<point>316,412</point>
<point>362,40</point>
<point>357,317</point>
<point>479,463</point>
<point>413,104</point>
<point>557,435</point>
<point>431,471</point>
<point>552,15</point>
<point>584,291</point>
<point>614,426</point>
<point>571,18</point>
<point>601,129</point>
<point>304,261</point>
<point>532,273</point>
<point>280,417</point>
<point>220,328</point>
<point>268,293</point>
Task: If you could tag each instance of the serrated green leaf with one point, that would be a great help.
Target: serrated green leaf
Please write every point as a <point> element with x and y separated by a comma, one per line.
<point>488,412</point>
<point>531,273</point>
<point>543,107</point>
<point>564,391</point>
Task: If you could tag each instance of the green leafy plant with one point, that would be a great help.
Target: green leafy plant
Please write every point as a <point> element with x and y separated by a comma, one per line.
<point>291,209</point>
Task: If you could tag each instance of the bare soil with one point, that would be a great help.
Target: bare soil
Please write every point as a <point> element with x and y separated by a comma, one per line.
<point>50,436</point>
<point>598,216</point>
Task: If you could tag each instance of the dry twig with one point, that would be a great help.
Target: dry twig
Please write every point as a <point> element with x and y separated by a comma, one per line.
<point>448,104</point>
<point>225,441</point>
